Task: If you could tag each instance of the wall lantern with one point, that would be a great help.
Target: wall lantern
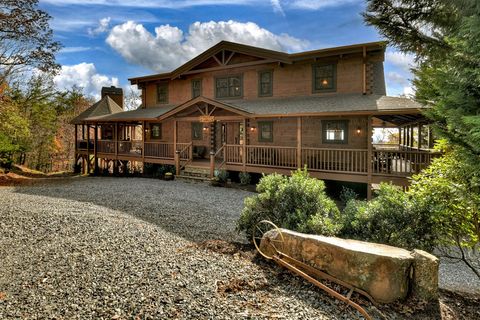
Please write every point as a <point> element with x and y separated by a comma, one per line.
<point>253,128</point>
<point>359,130</point>
<point>205,127</point>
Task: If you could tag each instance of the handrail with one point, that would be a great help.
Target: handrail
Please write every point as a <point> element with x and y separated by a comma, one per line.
<point>178,160</point>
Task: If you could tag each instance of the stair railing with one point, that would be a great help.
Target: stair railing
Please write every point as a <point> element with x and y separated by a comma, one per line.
<point>188,150</point>
<point>213,156</point>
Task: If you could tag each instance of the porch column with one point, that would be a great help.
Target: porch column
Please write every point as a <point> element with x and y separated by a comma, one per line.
<point>411,137</point>
<point>144,127</point>
<point>95,141</point>
<point>399,137</point>
<point>115,139</point>
<point>299,142</point>
<point>419,144</point>
<point>244,147</point>
<point>76,141</point>
<point>88,149</point>
<point>430,137</point>
<point>370,158</point>
<point>174,136</point>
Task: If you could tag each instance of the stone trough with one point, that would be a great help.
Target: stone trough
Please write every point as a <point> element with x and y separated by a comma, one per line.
<point>387,273</point>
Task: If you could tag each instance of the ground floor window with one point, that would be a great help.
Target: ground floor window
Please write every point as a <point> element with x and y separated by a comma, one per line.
<point>156,131</point>
<point>265,131</point>
<point>197,130</point>
<point>335,131</point>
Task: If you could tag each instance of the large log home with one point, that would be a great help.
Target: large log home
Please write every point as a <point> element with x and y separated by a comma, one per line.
<point>242,108</point>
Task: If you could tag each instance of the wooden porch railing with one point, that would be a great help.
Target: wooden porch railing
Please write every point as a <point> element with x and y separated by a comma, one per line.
<point>271,156</point>
<point>233,153</point>
<point>183,156</point>
<point>338,160</point>
<point>162,150</point>
<point>401,163</point>
<point>106,146</point>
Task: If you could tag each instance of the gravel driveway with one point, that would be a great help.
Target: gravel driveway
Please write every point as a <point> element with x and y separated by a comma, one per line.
<point>128,248</point>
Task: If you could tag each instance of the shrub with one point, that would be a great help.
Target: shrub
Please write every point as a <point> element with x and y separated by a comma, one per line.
<point>392,218</point>
<point>245,177</point>
<point>222,175</point>
<point>297,203</point>
<point>347,194</point>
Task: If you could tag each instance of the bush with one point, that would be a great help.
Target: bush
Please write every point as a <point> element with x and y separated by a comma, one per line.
<point>297,203</point>
<point>347,194</point>
<point>222,175</point>
<point>245,177</point>
<point>392,217</point>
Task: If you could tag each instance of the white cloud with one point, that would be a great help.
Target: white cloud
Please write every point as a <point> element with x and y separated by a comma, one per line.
<point>85,76</point>
<point>395,78</point>
<point>409,91</point>
<point>318,4</point>
<point>103,26</point>
<point>401,60</point>
<point>74,49</point>
<point>169,47</point>
<point>277,7</point>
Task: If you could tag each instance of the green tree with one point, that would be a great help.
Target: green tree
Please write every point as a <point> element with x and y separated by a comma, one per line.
<point>445,37</point>
<point>26,40</point>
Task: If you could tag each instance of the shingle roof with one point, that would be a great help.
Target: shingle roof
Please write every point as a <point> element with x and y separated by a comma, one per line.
<point>105,106</point>
<point>324,104</point>
<point>135,115</point>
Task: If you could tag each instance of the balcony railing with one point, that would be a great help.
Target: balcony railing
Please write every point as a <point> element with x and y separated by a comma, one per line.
<point>354,161</point>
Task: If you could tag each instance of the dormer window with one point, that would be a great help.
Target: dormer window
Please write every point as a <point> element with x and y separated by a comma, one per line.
<point>229,87</point>
<point>324,77</point>
<point>162,93</point>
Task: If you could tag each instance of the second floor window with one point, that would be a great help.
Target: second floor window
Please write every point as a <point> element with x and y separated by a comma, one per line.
<point>265,83</point>
<point>229,87</point>
<point>196,88</point>
<point>324,77</point>
<point>162,93</point>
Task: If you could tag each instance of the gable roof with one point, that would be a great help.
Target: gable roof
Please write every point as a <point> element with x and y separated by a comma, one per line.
<point>103,107</point>
<point>140,114</point>
<point>269,55</point>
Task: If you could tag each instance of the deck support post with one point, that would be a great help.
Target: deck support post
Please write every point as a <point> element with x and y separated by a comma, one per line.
<point>370,158</point>
<point>88,149</point>
<point>95,141</point>
<point>244,147</point>
<point>299,142</point>
<point>212,164</point>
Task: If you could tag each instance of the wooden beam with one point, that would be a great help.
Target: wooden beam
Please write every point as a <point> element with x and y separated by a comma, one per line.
<point>229,57</point>
<point>369,158</point>
<point>144,136</point>
<point>115,138</point>
<point>174,135</point>
<point>216,59</point>
<point>76,142</point>
<point>244,147</point>
<point>299,142</point>
<point>88,149</point>
<point>364,70</point>
<point>95,142</point>
<point>237,65</point>
<point>419,133</point>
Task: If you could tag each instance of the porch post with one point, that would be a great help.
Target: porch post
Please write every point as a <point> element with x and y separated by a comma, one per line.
<point>411,136</point>
<point>419,144</point>
<point>115,139</point>
<point>174,136</point>
<point>212,164</point>
<point>95,140</point>
<point>76,141</point>
<point>430,137</point>
<point>399,137</point>
<point>88,149</point>
<point>244,147</point>
<point>299,142</point>
<point>370,158</point>
<point>143,142</point>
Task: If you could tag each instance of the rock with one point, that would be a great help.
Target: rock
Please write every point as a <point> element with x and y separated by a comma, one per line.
<point>425,275</point>
<point>381,270</point>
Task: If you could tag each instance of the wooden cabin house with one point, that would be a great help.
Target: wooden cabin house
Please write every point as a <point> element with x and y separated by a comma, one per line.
<point>242,108</point>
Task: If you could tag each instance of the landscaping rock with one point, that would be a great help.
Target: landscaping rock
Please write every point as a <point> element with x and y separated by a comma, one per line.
<point>425,275</point>
<point>381,270</point>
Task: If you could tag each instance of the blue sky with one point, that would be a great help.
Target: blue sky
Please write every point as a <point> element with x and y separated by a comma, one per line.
<point>106,42</point>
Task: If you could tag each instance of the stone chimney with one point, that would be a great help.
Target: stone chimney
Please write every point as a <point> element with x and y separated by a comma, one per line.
<point>116,94</point>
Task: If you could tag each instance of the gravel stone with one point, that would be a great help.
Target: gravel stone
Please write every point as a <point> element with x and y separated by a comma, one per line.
<point>131,248</point>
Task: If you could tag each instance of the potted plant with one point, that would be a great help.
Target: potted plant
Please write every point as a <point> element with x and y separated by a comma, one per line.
<point>168,176</point>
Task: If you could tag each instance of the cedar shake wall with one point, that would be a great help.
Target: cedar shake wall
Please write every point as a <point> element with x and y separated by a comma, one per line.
<point>288,80</point>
